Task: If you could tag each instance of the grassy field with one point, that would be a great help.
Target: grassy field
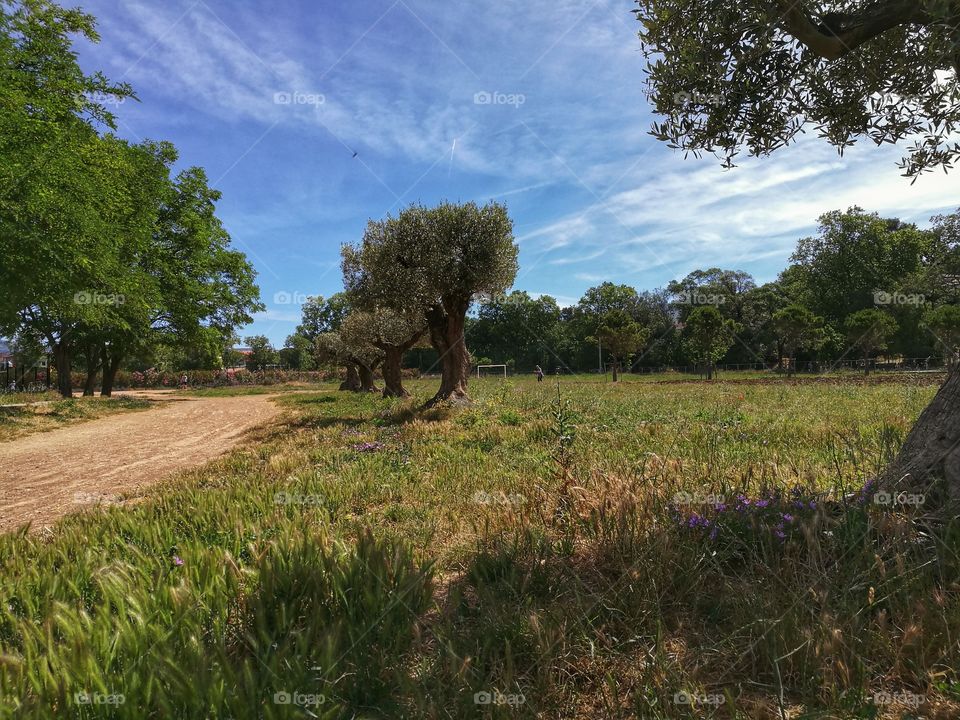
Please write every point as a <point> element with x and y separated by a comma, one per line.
<point>653,550</point>
<point>51,412</point>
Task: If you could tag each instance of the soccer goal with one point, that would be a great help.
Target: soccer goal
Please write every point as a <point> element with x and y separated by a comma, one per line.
<point>491,370</point>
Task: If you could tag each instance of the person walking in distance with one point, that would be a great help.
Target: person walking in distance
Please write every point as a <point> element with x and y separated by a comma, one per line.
<point>539,371</point>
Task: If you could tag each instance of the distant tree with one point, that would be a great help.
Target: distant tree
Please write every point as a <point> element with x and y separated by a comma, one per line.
<point>869,331</point>
<point>708,336</point>
<point>322,315</point>
<point>262,353</point>
<point>622,336</point>
<point>359,357</point>
<point>725,289</point>
<point>433,262</point>
<point>517,327</point>
<point>797,328</point>
<point>392,334</point>
<point>297,353</point>
<point>944,323</point>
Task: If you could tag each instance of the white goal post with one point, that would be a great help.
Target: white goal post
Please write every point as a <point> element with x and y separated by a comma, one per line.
<point>479,367</point>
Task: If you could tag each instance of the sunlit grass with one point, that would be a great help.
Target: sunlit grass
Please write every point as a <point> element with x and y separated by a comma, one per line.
<point>396,562</point>
<point>55,412</point>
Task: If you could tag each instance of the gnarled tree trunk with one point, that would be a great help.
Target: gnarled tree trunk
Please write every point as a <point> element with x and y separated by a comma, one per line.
<point>393,372</point>
<point>446,335</point>
<point>931,453</point>
<point>367,381</point>
<point>352,380</point>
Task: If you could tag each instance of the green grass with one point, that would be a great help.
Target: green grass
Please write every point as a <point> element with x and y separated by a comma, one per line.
<point>384,561</point>
<point>16,422</point>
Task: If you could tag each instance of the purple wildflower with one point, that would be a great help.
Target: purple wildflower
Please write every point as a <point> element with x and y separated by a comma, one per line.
<point>788,517</point>
<point>177,561</point>
<point>366,447</point>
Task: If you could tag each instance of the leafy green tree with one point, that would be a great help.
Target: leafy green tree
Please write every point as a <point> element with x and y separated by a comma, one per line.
<point>797,328</point>
<point>517,327</point>
<point>944,323</point>
<point>433,262</point>
<point>869,331</point>
<point>728,77</point>
<point>262,353</point>
<point>322,315</point>
<point>708,336</point>
<point>360,358</point>
<point>622,336</point>
<point>297,353</point>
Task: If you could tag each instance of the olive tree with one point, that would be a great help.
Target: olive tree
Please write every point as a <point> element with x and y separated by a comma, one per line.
<point>431,262</point>
<point>750,76</point>
<point>392,333</point>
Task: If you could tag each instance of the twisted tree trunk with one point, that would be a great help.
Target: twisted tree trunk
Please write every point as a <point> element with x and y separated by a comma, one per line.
<point>110,367</point>
<point>93,366</point>
<point>930,456</point>
<point>367,381</point>
<point>393,373</point>
<point>352,380</point>
<point>446,335</point>
<point>61,357</point>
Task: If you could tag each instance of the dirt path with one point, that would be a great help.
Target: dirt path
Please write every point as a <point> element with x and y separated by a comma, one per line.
<point>47,475</point>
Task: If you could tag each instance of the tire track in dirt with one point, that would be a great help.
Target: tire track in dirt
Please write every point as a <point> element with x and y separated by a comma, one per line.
<point>47,475</point>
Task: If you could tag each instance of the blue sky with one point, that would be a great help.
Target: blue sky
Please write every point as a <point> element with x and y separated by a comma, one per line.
<point>537,104</point>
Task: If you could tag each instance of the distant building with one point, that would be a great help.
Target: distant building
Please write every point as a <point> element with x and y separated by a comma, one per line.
<point>6,355</point>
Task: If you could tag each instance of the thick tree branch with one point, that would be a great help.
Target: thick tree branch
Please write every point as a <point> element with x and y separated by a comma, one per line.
<point>839,33</point>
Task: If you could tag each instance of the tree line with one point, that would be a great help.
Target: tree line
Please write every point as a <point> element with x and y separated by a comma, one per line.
<point>864,285</point>
<point>106,253</point>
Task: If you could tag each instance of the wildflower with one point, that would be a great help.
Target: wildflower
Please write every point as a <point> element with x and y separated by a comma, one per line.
<point>366,447</point>
<point>177,561</point>
<point>788,517</point>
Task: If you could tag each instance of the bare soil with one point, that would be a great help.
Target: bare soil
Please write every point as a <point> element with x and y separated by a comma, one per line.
<point>47,475</point>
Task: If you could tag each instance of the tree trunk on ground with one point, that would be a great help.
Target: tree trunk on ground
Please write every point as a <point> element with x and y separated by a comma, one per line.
<point>393,372</point>
<point>61,357</point>
<point>93,365</point>
<point>931,452</point>
<point>446,335</point>
<point>616,367</point>
<point>367,382</point>
<point>352,381</point>
<point>866,365</point>
<point>110,368</point>
<point>709,371</point>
